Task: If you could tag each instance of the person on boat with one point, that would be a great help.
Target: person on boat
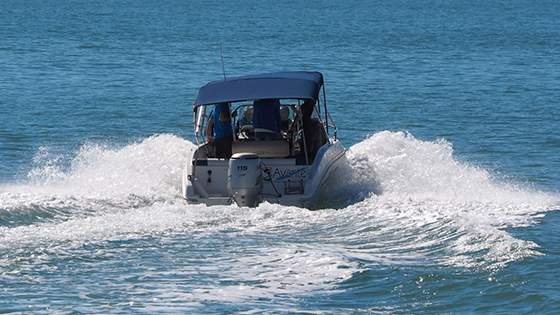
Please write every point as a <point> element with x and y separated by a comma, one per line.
<point>246,117</point>
<point>266,119</point>
<point>244,124</point>
<point>285,114</point>
<point>219,132</point>
<point>314,136</point>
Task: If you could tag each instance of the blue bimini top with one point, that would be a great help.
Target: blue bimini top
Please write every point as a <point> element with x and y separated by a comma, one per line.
<point>278,85</point>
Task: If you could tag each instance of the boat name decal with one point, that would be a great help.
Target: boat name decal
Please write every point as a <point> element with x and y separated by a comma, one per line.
<point>280,174</point>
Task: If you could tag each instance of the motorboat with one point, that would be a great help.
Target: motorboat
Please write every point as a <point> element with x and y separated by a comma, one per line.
<point>281,170</point>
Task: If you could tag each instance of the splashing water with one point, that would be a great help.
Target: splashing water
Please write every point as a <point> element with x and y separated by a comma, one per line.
<point>397,201</point>
<point>437,205</point>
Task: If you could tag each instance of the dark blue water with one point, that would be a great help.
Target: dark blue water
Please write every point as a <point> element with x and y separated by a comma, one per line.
<point>448,202</point>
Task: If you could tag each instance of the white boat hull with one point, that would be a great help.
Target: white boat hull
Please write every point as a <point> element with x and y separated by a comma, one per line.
<point>287,182</point>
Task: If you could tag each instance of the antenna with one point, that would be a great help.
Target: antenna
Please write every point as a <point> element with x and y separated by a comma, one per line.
<point>223,67</point>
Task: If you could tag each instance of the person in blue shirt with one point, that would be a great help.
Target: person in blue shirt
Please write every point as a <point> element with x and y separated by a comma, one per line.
<point>266,119</point>
<point>219,132</point>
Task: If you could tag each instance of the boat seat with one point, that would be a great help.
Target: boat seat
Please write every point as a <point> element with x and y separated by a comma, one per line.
<point>264,149</point>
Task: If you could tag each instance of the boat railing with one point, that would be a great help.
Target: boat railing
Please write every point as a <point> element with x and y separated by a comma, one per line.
<point>332,125</point>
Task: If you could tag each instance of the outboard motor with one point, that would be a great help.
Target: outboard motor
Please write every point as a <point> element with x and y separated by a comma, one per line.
<point>245,180</point>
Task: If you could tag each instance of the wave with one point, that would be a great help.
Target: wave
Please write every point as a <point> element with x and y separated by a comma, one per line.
<point>397,201</point>
<point>131,176</point>
<point>415,197</point>
<point>395,164</point>
<point>391,165</point>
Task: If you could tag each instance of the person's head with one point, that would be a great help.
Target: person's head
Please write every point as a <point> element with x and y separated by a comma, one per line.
<point>285,112</point>
<point>223,107</point>
<point>307,108</point>
<point>248,112</point>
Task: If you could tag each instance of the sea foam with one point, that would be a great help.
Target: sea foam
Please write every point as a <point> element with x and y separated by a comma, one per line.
<point>396,200</point>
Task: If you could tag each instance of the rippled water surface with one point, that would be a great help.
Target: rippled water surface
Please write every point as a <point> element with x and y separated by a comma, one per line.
<point>448,201</point>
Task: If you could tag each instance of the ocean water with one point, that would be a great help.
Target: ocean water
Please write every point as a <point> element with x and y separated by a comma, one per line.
<point>449,202</point>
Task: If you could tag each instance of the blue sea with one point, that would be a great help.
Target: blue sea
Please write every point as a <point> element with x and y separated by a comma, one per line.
<point>448,203</point>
